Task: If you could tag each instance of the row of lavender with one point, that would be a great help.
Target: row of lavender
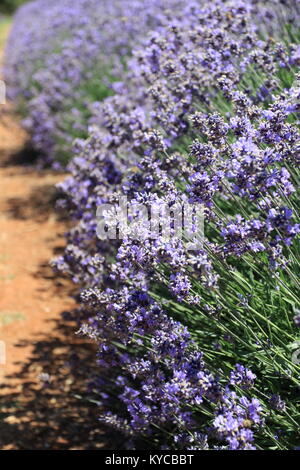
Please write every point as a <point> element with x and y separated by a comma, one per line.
<point>197,349</point>
<point>62,57</point>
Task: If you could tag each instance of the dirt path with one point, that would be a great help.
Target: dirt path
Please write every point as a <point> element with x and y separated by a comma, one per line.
<point>30,234</point>
<point>37,338</point>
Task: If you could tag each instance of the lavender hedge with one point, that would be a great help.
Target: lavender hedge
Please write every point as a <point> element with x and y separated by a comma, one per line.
<point>196,349</point>
<point>63,55</point>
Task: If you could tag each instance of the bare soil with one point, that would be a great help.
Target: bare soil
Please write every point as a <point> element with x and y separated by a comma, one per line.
<point>37,313</point>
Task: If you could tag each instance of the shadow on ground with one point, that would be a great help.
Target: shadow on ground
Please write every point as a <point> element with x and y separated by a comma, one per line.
<point>38,206</point>
<point>24,157</point>
<point>54,414</point>
<point>41,201</point>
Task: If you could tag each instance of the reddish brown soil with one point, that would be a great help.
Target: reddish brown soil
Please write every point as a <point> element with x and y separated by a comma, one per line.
<point>37,337</point>
<point>29,235</point>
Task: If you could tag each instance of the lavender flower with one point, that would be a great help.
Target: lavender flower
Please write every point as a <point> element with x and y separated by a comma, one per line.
<point>207,113</point>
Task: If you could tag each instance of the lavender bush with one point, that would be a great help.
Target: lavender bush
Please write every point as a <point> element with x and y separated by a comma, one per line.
<point>62,56</point>
<point>196,348</point>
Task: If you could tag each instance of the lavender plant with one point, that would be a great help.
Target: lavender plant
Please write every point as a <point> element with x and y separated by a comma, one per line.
<point>196,348</point>
<point>210,114</point>
<point>62,57</point>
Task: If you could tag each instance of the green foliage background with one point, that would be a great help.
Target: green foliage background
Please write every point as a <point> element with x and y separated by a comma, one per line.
<point>9,6</point>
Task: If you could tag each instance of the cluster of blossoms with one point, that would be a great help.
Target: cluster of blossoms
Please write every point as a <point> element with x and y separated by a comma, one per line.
<point>164,378</point>
<point>241,158</point>
<point>62,56</point>
<point>164,135</point>
<point>207,115</point>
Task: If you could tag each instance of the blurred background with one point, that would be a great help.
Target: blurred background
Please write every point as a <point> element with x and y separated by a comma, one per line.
<point>9,6</point>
